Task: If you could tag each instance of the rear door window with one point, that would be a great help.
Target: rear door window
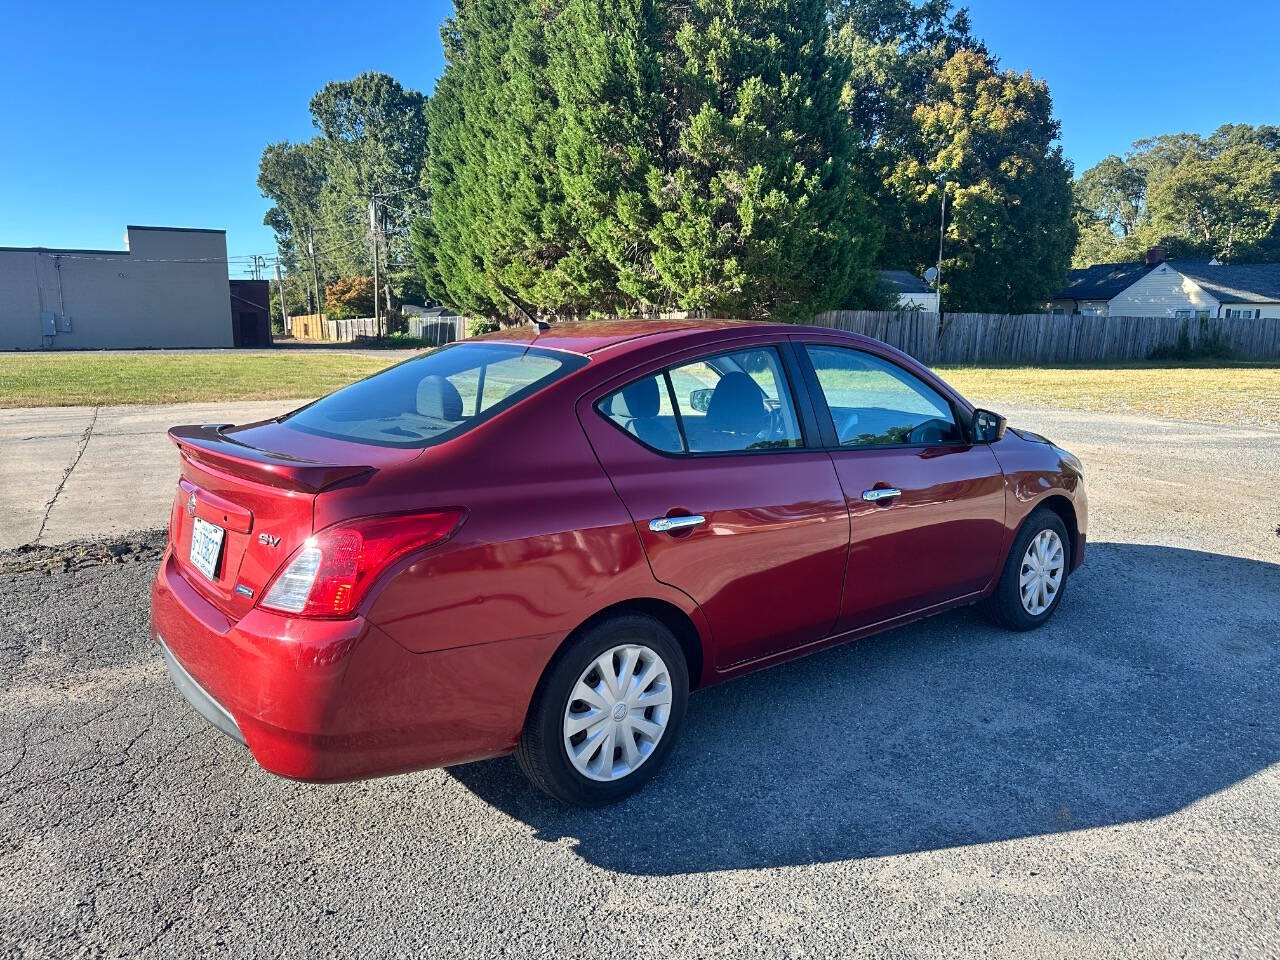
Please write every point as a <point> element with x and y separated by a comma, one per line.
<point>643,408</point>
<point>729,402</point>
<point>435,396</point>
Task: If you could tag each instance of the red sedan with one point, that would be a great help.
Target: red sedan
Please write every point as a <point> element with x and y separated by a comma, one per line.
<point>542,540</point>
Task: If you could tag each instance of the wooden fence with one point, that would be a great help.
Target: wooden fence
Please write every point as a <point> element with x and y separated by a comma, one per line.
<point>1041,338</point>
<point>314,327</point>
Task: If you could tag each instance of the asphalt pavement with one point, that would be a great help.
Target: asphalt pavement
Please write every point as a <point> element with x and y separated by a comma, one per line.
<point>1106,786</point>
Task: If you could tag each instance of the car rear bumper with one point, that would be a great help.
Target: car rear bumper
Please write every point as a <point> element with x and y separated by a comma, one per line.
<point>197,696</point>
<point>330,700</point>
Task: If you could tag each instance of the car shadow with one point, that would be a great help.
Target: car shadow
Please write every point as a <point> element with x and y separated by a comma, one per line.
<point>1154,686</point>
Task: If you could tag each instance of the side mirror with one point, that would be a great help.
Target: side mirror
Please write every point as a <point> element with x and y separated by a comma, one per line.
<point>988,427</point>
<point>700,400</point>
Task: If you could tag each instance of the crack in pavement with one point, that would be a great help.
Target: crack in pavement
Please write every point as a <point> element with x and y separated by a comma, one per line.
<point>66,474</point>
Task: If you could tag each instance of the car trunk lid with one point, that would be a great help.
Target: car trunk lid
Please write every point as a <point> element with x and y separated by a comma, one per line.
<point>257,485</point>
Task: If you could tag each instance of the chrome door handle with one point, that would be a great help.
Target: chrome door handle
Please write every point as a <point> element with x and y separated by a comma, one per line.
<point>668,524</point>
<point>884,493</point>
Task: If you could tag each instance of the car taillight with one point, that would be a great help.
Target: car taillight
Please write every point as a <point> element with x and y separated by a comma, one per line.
<point>330,573</point>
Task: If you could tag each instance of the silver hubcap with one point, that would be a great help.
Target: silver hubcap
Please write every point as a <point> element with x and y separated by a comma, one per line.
<point>617,712</point>
<point>1041,573</point>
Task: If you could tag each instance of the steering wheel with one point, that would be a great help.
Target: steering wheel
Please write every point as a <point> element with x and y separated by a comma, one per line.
<point>775,428</point>
<point>930,431</point>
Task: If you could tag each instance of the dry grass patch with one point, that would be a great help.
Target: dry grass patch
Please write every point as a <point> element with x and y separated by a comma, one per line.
<point>1242,394</point>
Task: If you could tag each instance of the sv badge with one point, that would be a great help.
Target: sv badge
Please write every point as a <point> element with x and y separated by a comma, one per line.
<point>267,540</point>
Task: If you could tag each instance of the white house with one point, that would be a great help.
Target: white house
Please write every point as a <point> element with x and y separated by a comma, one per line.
<point>1089,291</point>
<point>1172,288</point>
<point>168,288</point>
<point>1242,290</point>
<point>912,293</point>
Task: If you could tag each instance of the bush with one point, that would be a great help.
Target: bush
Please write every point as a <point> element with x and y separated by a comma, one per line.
<point>397,323</point>
<point>1208,346</point>
<point>396,341</point>
<point>481,325</point>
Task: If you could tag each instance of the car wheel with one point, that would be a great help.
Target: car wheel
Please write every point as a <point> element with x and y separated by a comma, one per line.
<point>607,712</point>
<point>1035,573</point>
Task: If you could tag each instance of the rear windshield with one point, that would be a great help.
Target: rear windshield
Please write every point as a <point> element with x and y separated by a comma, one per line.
<point>435,396</point>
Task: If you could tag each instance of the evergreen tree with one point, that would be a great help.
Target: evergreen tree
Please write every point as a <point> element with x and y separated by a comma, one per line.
<point>636,154</point>
<point>758,209</point>
<point>500,241</point>
<point>613,132</point>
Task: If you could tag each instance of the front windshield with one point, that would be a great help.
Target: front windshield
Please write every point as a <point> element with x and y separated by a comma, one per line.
<point>435,396</point>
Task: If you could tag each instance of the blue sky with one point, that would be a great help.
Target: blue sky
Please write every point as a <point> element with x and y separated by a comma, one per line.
<point>156,113</point>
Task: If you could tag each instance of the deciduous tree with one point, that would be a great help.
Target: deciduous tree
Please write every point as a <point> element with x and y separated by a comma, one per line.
<point>350,297</point>
<point>1215,196</point>
<point>371,144</point>
<point>1010,232</point>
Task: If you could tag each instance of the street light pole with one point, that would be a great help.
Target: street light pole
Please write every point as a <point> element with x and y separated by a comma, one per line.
<point>373,237</point>
<point>942,232</point>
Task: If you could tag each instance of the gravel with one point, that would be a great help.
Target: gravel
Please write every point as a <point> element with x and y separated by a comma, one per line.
<point>139,546</point>
<point>1106,786</point>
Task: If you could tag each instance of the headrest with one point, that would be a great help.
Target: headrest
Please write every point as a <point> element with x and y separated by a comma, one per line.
<point>737,405</point>
<point>639,399</point>
<point>439,399</point>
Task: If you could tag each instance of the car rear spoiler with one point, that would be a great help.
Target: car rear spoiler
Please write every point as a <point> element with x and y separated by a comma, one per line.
<point>208,444</point>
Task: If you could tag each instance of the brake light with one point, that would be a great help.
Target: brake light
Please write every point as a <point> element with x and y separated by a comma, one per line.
<point>329,574</point>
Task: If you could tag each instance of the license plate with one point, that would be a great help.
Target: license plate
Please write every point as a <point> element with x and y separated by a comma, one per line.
<point>206,544</point>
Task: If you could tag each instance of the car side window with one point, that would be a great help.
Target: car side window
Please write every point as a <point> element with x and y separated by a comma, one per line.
<point>728,402</point>
<point>876,403</point>
<point>643,409</point>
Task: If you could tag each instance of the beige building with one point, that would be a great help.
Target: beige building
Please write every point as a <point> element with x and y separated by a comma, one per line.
<point>169,288</point>
<point>911,294</point>
<point>1172,288</point>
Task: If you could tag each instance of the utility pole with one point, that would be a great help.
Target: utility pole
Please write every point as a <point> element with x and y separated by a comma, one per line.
<point>284,307</point>
<point>942,232</point>
<point>373,237</point>
<point>315,273</point>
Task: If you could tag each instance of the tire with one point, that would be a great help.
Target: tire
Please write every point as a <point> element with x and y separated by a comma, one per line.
<point>544,749</point>
<point>1007,604</point>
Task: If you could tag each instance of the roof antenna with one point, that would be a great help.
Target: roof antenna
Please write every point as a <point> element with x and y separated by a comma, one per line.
<point>539,327</point>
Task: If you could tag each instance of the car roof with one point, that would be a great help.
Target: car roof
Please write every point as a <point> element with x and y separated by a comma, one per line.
<point>594,336</point>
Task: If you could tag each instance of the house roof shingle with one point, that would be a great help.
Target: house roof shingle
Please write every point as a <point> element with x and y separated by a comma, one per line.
<point>1235,283</point>
<point>903,281</point>
<point>1102,281</point>
<point>1226,283</point>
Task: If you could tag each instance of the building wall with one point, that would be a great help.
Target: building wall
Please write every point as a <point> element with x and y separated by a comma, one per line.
<point>1267,309</point>
<point>139,297</point>
<point>251,313</point>
<point>926,302</point>
<point>1162,293</point>
<point>1097,308</point>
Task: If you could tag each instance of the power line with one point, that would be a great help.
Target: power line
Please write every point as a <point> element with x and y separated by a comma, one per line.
<point>126,257</point>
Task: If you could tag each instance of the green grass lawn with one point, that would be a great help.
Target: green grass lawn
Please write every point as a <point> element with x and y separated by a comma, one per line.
<point>92,379</point>
<point>1243,393</point>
